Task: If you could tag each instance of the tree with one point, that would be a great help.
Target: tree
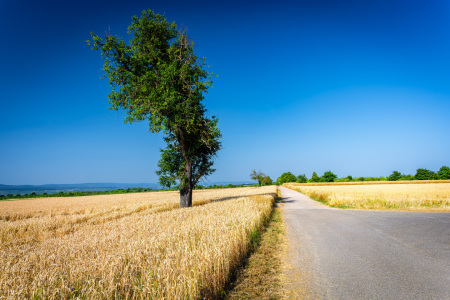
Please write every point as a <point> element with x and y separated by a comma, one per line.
<point>444,172</point>
<point>286,177</point>
<point>258,176</point>
<point>314,177</point>
<point>328,176</point>
<point>396,175</point>
<point>424,174</point>
<point>267,180</point>
<point>407,177</point>
<point>157,77</point>
<point>302,178</point>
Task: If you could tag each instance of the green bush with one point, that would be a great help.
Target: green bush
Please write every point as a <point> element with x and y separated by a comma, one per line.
<point>267,180</point>
<point>424,174</point>
<point>328,176</point>
<point>302,178</point>
<point>286,177</point>
<point>396,175</point>
<point>444,172</point>
<point>407,177</point>
<point>314,177</point>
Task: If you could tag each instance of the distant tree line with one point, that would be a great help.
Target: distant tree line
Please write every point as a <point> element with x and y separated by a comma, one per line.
<point>75,194</point>
<point>119,191</point>
<point>422,174</point>
<point>328,176</point>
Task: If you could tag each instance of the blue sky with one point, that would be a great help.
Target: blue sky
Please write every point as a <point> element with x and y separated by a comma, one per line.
<point>360,88</point>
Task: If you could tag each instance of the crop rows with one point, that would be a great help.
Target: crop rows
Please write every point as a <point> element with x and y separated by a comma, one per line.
<point>409,196</point>
<point>128,248</point>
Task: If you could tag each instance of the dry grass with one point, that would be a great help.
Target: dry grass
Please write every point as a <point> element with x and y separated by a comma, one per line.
<point>107,204</point>
<point>261,277</point>
<point>124,246</point>
<point>409,196</point>
<point>367,182</point>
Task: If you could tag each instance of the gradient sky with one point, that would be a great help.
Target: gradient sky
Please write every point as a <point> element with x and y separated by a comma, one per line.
<point>360,88</point>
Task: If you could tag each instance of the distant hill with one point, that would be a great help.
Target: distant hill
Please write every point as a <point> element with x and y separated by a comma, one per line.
<point>93,187</point>
<point>80,187</point>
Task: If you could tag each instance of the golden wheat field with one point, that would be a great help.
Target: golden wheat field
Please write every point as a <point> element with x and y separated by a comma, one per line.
<point>423,196</point>
<point>127,246</point>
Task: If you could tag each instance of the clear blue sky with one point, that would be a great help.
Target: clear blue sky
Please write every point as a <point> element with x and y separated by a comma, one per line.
<point>360,88</point>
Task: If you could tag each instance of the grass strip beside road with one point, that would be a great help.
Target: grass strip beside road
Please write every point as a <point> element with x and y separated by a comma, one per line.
<point>260,278</point>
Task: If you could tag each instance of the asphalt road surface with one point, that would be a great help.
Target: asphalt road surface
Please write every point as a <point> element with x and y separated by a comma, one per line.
<point>357,254</point>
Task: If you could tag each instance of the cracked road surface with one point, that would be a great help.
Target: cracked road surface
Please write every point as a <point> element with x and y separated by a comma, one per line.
<point>361,254</point>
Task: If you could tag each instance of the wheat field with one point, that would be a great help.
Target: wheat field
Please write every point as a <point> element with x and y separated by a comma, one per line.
<point>128,246</point>
<point>422,196</point>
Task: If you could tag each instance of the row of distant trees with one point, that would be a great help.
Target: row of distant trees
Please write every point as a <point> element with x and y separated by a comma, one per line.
<point>119,191</point>
<point>422,174</point>
<point>75,194</point>
<point>328,176</point>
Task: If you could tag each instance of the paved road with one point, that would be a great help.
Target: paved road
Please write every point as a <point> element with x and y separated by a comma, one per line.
<point>355,254</point>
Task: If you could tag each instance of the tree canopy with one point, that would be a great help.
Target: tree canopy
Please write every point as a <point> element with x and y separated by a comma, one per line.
<point>444,172</point>
<point>157,77</point>
<point>314,177</point>
<point>286,177</point>
<point>396,175</point>
<point>328,176</point>
<point>258,176</point>
<point>424,174</point>
<point>302,178</point>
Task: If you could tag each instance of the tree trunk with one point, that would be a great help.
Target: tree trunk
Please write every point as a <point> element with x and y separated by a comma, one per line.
<point>186,185</point>
<point>185,196</point>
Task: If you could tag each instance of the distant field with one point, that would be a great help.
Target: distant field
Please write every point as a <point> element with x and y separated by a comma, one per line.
<point>129,245</point>
<point>403,195</point>
<point>368,182</point>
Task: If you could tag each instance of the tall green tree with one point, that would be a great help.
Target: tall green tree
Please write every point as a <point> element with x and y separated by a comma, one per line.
<point>314,177</point>
<point>157,77</point>
<point>328,176</point>
<point>302,178</point>
<point>444,172</point>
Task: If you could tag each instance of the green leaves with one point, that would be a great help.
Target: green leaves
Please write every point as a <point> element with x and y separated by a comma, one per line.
<point>444,172</point>
<point>156,76</point>
<point>286,177</point>
<point>314,177</point>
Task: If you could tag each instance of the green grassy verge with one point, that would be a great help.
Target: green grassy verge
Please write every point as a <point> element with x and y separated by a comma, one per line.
<point>260,277</point>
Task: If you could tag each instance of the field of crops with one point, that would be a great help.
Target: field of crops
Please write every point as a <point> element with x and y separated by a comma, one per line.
<point>411,195</point>
<point>129,245</point>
